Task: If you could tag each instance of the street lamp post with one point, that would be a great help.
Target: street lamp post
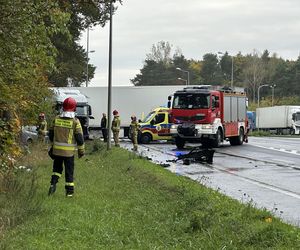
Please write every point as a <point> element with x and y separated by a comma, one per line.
<point>273,87</point>
<point>87,56</point>
<point>87,67</point>
<point>180,79</point>
<point>261,86</point>
<point>258,97</point>
<point>188,75</point>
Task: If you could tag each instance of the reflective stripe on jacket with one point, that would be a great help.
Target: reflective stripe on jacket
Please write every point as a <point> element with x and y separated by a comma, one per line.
<point>64,139</point>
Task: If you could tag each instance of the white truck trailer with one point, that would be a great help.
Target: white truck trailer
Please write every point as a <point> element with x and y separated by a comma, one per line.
<point>128,100</point>
<point>279,119</point>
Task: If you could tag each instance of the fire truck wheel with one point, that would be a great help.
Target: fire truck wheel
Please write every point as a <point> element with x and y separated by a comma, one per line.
<point>145,138</point>
<point>179,143</point>
<point>237,140</point>
<point>215,143</point>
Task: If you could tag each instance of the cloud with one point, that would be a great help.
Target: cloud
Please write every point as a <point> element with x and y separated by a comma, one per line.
<point>197,27</point>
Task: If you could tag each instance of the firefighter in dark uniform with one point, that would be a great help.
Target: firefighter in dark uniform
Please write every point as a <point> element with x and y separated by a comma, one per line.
<point>115,127</point>
<point>66,135</point>
<point>134,130</point>
<point>42,127</point>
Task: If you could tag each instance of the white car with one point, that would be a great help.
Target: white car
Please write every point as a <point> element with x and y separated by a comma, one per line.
<point>29,135</point>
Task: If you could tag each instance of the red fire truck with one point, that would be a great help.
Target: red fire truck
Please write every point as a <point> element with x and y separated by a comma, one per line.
<point>210,115</point>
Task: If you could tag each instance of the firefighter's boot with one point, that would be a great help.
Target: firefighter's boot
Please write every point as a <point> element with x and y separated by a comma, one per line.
<point>52,189</point>
<point>54,180</point>
<point>69,193</point>
<point>69,189</point>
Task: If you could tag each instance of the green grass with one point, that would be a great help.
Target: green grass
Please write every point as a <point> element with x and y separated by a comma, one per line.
<point>259,133</point>
<point>125,202</point>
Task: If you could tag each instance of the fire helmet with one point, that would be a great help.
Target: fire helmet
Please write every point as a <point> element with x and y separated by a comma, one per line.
<point>115,112</point>
<point>69,104</point>
<point>133,117</point>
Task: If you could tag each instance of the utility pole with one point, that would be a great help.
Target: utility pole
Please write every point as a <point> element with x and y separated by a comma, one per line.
<point>231,72</point>
<point>109,78</point>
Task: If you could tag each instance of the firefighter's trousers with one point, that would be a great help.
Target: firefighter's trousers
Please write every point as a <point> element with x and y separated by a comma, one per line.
<point>58,163</point>
<point>116,138</point>
<point>134,141</point>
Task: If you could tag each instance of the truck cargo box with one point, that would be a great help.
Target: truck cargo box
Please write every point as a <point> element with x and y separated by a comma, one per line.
<point>128,100</point>
<point>275,117</point>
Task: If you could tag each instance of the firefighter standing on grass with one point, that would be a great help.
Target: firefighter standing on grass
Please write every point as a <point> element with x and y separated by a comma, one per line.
<point>66,135</point>
<point>134,130</point>
<point>115,127</point>
<point>42,127</point>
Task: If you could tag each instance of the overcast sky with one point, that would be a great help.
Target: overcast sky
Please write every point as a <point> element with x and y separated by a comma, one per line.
<point>197,27</point>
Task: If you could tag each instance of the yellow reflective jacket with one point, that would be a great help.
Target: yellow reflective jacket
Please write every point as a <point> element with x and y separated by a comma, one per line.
<point>66,132</point>
<point>116,123</point>
<point>42,128</point>
<point>134,128</point>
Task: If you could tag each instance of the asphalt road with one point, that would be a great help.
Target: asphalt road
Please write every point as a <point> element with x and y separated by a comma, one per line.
<point>265,172</point>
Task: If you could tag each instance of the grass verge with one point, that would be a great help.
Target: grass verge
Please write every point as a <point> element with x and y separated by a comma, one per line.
<point>18,189</point>
<point>125,202</point>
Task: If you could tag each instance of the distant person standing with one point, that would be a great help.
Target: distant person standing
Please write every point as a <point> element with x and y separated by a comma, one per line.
<point>104,127</point>
<point>115,127</point>
<point>42,127</point>
<point>134,130</point>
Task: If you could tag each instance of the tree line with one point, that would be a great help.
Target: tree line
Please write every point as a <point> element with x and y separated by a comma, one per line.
<point>162,67</point>
<point>39,48</point>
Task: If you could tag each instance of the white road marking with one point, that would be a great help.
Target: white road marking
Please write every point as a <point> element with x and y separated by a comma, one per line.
<point>274,189</point>
<point>294,152</point>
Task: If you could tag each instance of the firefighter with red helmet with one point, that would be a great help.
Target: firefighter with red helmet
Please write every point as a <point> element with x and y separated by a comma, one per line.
<point>115,127</point>
<point>66,136</point>
<point>134,130</point>
<point>42,127</point>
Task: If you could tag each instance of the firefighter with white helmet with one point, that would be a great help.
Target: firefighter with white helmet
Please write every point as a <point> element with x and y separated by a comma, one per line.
<point>115,127</point>
<point>42,127</point>
<point>66,136</point>
<point>134,130</point>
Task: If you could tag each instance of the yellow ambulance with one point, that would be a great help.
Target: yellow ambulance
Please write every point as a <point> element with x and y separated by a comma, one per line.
<point>155,126</point>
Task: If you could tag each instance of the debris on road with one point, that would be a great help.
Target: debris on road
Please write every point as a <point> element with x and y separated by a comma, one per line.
<point>197,154</point>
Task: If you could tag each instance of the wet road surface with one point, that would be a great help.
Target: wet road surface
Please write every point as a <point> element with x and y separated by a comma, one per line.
<point>266,172</point>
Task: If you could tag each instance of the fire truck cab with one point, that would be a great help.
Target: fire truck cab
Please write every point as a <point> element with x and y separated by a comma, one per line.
<point>209,115</point>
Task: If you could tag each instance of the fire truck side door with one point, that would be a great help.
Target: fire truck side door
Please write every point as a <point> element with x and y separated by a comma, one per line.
<point>215,104</point>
